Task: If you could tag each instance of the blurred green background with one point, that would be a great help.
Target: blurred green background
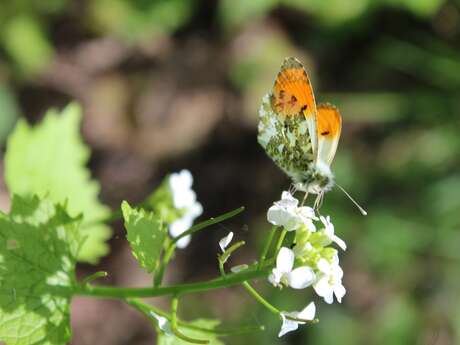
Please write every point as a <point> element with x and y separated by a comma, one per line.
<point>172,84</point>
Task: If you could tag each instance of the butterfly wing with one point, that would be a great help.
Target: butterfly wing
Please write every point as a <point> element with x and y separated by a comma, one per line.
<point>329,126</point>
<point>293,95</point>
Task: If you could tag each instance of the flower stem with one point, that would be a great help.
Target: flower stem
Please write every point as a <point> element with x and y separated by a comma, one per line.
<point>221,267</point>
<point>260,299</point>
<point>175,330</point>
<point>207,223</point>
<point>267,245</point>
<point>279,243</point>
<point>122,293</point>
<point>145,309</point>
<point>225,255</point>
<point>94,276</point>
<point>159,275</point>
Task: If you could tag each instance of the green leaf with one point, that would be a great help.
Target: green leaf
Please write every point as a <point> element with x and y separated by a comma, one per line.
<point>26,42</point>
<point>9,112</point>
<point>146,234</point>
<point>164,339</point>
<point>49,160</point>
<point>38,246</point>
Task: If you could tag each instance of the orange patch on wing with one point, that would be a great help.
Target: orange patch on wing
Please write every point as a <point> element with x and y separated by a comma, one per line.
<point>328,121</point>
<point>292,92</point>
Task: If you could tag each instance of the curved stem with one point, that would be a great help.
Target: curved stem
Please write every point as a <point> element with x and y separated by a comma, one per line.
<point>146,308</point>
<point>207,223</point>
<point>267,245</point>
<point>260,299</point>
<point>175,330</point>
<point>94,276</point>
<point>225,255</point>
<point>159,275</point>
<point>279,243</point>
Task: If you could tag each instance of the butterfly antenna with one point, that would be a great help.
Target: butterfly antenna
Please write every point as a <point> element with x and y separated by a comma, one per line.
<point>363,212</point>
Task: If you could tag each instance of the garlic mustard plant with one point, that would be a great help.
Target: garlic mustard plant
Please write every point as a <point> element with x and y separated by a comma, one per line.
<point>46,233</point>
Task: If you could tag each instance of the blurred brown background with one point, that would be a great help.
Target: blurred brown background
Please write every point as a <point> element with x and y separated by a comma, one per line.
<point>172,84</point>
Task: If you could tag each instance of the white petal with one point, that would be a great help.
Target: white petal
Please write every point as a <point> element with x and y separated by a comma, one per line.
<point>307,212</point>
<point>183,198</point>
<point>180,185</point>
<point>275,277</point>
<point>224,242</point>
<point>324,289</point>
<point>339,292</point>
<point>327,223</point>
<point>301,277</point>
<point>195,210</point>
<point>179,226</point>
<point>287,325</point>
<point>324,266</point>
<point>281,216</point>
<point>163,323</point>
<point>288,200</point>
<point>341,243</point>
<point>183,242</point>
<point>308,313</point>
<point>285,260</point>
<point>337,272</point>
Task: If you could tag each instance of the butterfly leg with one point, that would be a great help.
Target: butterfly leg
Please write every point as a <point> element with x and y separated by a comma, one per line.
<point>304,198</point>
<point>292,189</point>
<point>318,202</point>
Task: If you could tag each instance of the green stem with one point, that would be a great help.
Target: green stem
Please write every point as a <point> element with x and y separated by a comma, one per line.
<point>123,293</point>
<point>225,255</point>
<point>279,243</point>
<point>260,299</point>
<point>207,223</point>
<point>94,276</point>
<point>145,309</point>
<point>175,330</point>
<point>271,307</point>
<point>160,273</point>
<point>268,243</point>
<point>221,267</point>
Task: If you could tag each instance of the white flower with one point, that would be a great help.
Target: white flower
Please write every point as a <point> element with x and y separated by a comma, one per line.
<point>286,213</point>
<point>181,187</point>
<point>178,227</point>
<point>299,278</point>
<point>308,313</point>
<point>184,199</point>
<point>329,231</point>
<point>225,241</point>
<point>329,282</point>
<point>163,323</point>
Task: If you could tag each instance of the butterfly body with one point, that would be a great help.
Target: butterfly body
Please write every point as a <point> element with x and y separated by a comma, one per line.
<point>299,136</point>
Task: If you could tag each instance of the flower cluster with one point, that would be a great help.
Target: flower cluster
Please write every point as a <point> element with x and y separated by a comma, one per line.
<point>312,261</point>
<point>184,200</point>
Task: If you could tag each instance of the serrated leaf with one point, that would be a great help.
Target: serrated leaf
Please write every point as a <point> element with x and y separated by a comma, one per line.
<point>38,246</point>
<point>146,234</point>
<point>164,339</point>
<point>49,160</point>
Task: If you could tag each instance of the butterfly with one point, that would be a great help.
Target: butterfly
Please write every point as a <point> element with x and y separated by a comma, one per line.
<point>300,136</point>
